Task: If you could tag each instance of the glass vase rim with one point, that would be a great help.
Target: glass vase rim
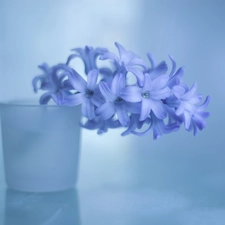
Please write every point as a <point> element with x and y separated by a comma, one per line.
<point>26,103</point>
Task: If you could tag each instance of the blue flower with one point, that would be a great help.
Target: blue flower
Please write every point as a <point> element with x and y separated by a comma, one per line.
<point>175,77</point>
<point>41,78</point>
<point>188,98</point>
<point>128,62</point>
<point>198,119</point>
<point>87,94</point>
<point>155,71</point>
<point>53,80</point>
<point>114,103</point>
<point>158,127</point>
<point>101,125</point>
<point>158,101</point>
<point>150,95</point>
<point>135,123</point>
<point>88,56</point>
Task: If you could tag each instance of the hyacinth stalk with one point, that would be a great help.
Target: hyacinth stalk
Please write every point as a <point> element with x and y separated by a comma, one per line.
<point>158,102</point>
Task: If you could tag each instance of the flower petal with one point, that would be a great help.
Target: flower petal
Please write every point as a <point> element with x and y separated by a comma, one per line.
<point>159,70</point>
<point>101,51</point>
<point>72,56</point>
<point>175,79</point>
<point>185,106</point>
<point>195,99</point>
<point>145,109</point>
<point>48,86</point>
<point>179,73</point>
<point>144,132</point>
<point>151,60</point>
<point>180,109</point>
<point>45,98</point>
<point>105,111</point>
<point>187,120</point>
<point>97,100</point>
<point>77,81</point>
<point>66,85</point>
<point>90,124</point>
<point>173,65</point>
<point>106,92</point>
<point>88,109</point>
<point>204,105</point>
<point>173,127</point>
<point>133,107</point>
<point>136,61</point>
<point>118,83</point>
<point>44,67</point>
<point>134,123</point>
<point>160,82</point>
<point>138,73</point>
<point>92,79</point>
<point>131,94</point>
<point>190,93</point>
<point>178,91</point>
<point>122,114</point>
<point>200,121</point>
<point>172,102</point>
<point>158,108</point>
<point>122,52</point>
<point>147,82</point>
<point>160,94</point>
<point>36,79</point>
<point>109,55</point>
<point>73,100</point>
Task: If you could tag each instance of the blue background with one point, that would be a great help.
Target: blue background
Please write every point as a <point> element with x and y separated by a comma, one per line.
<point>178,179</point>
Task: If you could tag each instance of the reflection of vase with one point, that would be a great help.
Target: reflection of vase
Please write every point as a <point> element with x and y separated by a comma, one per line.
<point>41,146</point>
<point>55,208</point>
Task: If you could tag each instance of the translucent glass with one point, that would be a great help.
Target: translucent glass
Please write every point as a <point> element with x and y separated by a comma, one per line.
<point>40,146</point>
<point>55,208</point>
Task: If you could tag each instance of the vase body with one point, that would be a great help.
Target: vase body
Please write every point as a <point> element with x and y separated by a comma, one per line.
<point>41,146</point>
<point>54,208</point>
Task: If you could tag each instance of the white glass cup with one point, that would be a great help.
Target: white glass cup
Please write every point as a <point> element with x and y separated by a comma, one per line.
<point>41,145</point>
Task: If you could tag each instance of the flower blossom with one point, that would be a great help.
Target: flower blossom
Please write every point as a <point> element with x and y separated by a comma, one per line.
<point>150,95</point>
<point>198,119</point>
<point>114,103</point>
<point>158,127</point>
<point>158,101</point>
<point>88,56</point>
<point>86,95</point>
<point>53,81</point>
<point>101,125</point>
<point>128,62</point>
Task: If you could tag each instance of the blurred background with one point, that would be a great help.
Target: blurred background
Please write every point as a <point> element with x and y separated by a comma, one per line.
<point>179,176</point>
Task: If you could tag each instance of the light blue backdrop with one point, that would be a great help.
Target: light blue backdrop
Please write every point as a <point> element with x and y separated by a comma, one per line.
<point>193,32</point>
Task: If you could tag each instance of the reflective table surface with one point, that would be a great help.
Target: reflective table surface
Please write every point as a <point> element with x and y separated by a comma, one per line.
<point>128,182</point>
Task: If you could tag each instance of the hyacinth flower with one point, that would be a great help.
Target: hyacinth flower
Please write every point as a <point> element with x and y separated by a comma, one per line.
<point>53,81</point>
<point>155,71</point>
<point>134,124</point>
<point>150,96</point>
<point>128,62</point>
<point>158,127</point>
<point>89,56</point>
<point>159,101</point>
<point>101,125</point>
<point>41,78</point>
<point>188,98</point>
<point>114,103</point>
<point>87,93</point>
<point>198,119</point>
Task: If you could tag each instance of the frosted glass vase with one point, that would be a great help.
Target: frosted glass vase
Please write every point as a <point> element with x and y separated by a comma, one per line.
<point>40,146</point>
